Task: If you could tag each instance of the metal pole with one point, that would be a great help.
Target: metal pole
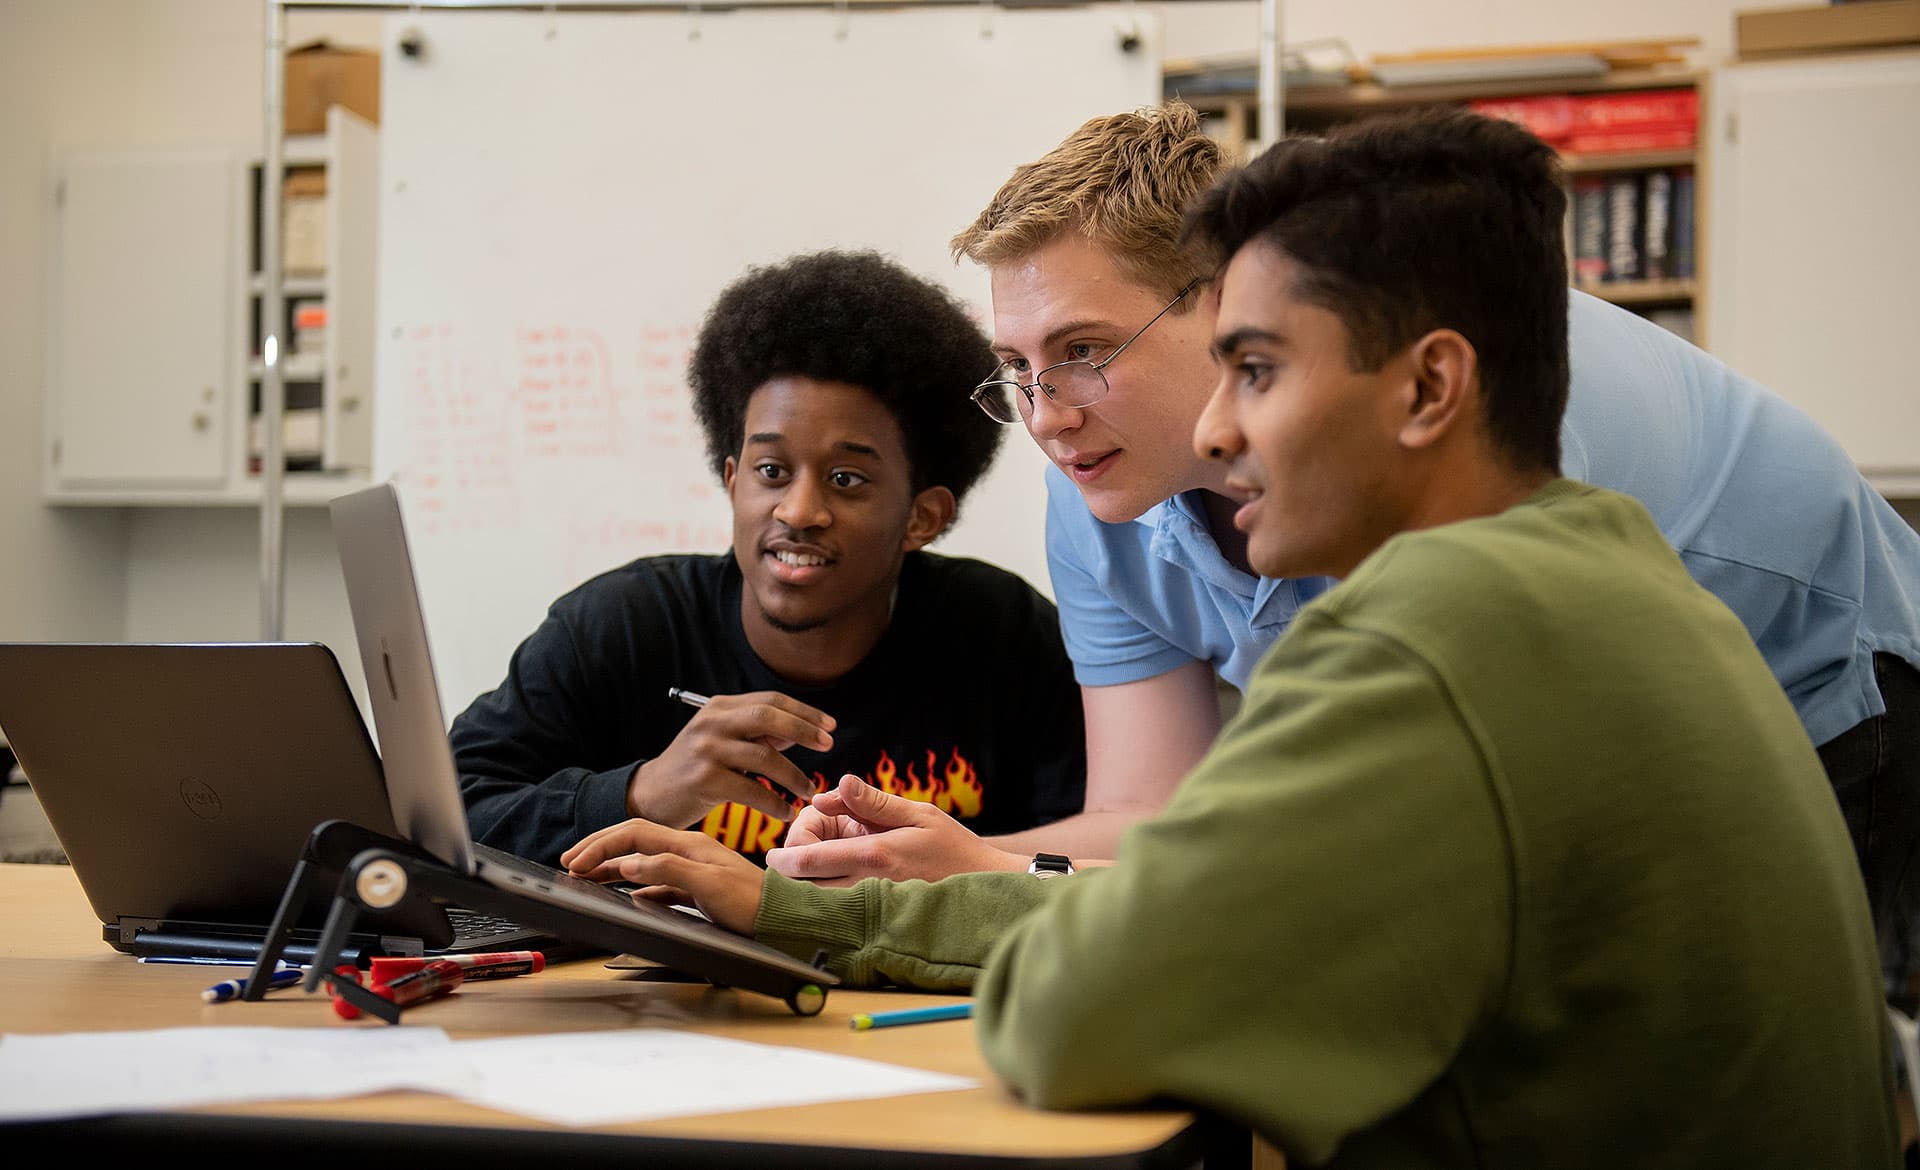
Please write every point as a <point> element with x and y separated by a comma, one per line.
<point>1272,72</point>
<point>272,313</point>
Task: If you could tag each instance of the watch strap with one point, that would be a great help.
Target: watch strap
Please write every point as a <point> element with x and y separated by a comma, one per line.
<point>1048,865</point>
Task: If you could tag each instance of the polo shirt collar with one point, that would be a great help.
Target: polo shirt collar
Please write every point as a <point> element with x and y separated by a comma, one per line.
<point>1181,538</point>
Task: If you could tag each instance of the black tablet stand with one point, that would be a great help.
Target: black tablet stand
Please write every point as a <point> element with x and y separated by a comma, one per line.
<point>379,873</point>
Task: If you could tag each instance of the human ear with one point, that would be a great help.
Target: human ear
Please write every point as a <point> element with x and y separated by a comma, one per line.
<point>1444,380</point>
<point>933,511</point>
<point>727,471</point>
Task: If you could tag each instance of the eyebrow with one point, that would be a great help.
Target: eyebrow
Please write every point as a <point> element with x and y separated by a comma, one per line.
<point>1225,345</point>
<point>1060,331</point>
<point>850,447</point>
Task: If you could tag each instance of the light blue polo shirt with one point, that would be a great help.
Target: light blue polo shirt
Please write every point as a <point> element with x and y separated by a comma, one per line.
<point>1763,506</point>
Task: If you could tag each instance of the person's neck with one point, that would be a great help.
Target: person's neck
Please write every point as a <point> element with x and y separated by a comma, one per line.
<point>818,656</point>
<point>1473,489</point>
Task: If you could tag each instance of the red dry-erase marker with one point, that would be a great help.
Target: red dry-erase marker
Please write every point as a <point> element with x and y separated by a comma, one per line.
<point>435,979</point>
<point>480,965</point>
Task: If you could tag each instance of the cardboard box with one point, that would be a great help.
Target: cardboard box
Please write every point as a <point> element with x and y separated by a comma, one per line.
<point>1827,28</point>
<point>320,75</point>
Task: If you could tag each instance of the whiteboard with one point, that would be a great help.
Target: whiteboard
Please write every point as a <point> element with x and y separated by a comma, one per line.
<point>564,194</point>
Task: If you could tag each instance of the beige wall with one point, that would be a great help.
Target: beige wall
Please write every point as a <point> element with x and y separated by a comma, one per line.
<point>61,574</point>
<point>122,73</point>
<point>128,73</point>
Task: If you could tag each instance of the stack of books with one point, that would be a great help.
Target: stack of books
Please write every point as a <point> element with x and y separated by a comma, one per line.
<point>1633,225</point>
<point>1604,123</point>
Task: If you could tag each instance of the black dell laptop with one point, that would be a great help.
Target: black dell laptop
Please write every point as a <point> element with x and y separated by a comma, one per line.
<point>183,780</point>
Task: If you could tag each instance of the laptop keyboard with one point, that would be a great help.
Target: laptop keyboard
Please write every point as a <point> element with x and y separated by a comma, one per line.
<point>472,929</point>
<point>559,878</point>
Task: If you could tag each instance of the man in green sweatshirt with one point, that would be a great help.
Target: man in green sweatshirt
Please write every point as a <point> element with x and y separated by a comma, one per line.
<point>1515,855</point>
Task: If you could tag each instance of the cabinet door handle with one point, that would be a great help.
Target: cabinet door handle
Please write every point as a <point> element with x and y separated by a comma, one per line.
<point>201,420</point>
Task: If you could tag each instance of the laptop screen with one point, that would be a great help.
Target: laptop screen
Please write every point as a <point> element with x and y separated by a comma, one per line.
<point>392,632</point>
<point>183,779</point>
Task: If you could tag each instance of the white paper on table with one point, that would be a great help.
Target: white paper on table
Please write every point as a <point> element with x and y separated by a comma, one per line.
<point>596,1078</point>
<point>80,1073</point>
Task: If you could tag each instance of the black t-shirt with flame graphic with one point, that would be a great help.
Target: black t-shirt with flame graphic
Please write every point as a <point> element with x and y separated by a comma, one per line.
<point>968,701</point>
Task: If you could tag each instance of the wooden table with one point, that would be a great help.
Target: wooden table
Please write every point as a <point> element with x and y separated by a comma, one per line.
<point>56,975</point>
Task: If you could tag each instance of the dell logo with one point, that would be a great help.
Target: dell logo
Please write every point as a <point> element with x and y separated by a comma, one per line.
<point>201,801</point>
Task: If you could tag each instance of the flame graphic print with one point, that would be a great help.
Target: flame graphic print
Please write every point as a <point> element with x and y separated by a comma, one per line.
<point>952,786</point>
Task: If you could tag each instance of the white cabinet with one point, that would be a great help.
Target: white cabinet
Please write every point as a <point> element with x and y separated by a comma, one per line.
<point>1815,245</point>
<point>156,321</point>
<point>141,345</point>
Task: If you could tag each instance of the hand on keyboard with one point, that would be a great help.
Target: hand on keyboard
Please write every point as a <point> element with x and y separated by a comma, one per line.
<point>674,866</point>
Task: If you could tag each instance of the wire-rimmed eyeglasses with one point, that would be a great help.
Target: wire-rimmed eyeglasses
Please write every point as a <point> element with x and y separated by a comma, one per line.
<point>1006,399</point>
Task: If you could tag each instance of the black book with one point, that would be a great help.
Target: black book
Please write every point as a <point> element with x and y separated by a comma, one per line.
<point>1680,250</point>
<point>1656,226</point>
<point>1623,228</point>
<point>1589,229</point>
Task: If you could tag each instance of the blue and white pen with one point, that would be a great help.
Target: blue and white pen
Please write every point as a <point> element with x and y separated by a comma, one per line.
<point>228,989</point>
<point>205,961</point>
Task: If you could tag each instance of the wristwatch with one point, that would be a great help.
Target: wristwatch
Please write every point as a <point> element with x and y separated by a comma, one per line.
<point>1047,865</point>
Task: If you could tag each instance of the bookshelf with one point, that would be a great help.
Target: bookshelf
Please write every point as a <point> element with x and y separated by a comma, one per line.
<point>1635,168</point>
<point>155,324</point>
<point>331,200</point>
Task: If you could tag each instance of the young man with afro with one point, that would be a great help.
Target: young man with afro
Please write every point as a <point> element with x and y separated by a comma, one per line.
<point>833,392</point>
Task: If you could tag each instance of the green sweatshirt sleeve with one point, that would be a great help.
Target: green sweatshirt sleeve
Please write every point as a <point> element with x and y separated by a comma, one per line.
<point>1305,936</point>
<point>935,936</point>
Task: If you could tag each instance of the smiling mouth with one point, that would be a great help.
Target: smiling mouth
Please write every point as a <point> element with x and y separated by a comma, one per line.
<point>796,568</point>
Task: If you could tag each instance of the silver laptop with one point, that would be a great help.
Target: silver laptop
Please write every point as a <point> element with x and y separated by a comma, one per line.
<point>424,785</point>
<point>183,779</point>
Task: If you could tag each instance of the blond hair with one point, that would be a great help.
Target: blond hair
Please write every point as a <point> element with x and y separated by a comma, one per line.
<point>1123,181</point>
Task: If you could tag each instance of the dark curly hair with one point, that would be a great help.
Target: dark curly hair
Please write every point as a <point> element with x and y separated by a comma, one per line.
<point>861,319</point>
